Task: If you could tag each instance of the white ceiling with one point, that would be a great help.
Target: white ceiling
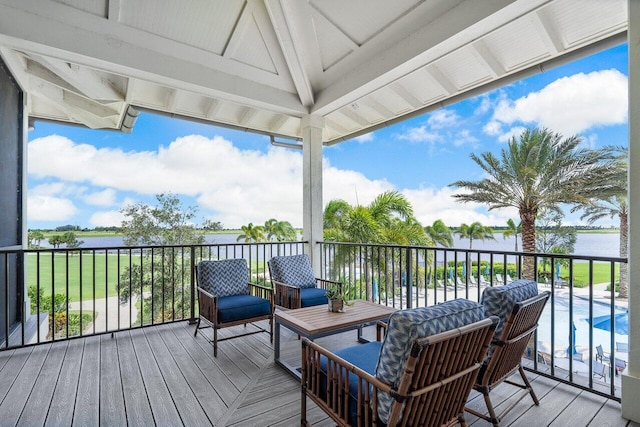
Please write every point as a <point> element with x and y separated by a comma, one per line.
<point>264,64</point>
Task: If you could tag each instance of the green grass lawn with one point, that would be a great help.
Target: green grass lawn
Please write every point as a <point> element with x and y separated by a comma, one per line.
<point>601,273</point>
<point>101,270</point>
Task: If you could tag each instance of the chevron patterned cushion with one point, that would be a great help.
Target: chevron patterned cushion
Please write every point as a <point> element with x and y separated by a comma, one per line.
<point>224,278</point>
<point>293,270</point>
<point>405,326</point>
<point>499,300</point>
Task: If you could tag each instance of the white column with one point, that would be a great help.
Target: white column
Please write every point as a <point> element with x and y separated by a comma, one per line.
<point>312,127</point>
<point>631,380</point>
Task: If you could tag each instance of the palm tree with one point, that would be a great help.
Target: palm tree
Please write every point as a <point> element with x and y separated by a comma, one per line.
<point>279,230</point>
<point>512,230</point>
<point>541,170</point>
<point>251,233</point>
<point>440,233</point>
<point>475,231</point>
<point>615,206</point>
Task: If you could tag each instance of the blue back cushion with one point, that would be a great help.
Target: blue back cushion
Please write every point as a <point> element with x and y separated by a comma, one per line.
<point>293,270</point>
<point>224,278</point>
<point>405,326</point>
<point>499,300</point>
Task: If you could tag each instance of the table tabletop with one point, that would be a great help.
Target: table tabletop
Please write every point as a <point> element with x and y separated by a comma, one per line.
<point>318,320</point>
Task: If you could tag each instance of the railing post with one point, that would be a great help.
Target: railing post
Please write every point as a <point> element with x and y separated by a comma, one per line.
<point>192,319</point>
<point>409,281</point>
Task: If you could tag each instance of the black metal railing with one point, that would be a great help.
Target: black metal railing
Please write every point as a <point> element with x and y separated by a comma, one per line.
<point>57,294</point>
<point>412,276</point>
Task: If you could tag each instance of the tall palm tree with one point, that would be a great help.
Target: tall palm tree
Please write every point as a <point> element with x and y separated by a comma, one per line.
<point>475,231</point>
<point>512,230</point>
<point>440,233</point>
<point>279,230</point>
<point>541,170</point>
<point>615,206</point>
<point>251,233</point>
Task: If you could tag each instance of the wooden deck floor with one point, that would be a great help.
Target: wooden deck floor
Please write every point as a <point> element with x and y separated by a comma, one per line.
<point>164,376</point>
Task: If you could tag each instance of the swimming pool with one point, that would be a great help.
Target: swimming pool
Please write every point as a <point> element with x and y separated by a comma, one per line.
<point>563,322</point>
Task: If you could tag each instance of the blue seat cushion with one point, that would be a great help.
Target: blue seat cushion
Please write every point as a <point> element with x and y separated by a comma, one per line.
<point>239,307</point>
<point>365,357</point>
<point>312,296</point>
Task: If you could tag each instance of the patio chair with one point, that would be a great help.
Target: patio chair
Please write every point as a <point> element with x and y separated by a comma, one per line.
<point>519,307</point>
<point>295,284</point>
<point>620,365</point>
<point>600,356</point>
<point>622,347</point>
<point>509,279</point>
<point>420,374</point>
<point>226,298</point>
<point>599,370</point>
<point>499,279</point>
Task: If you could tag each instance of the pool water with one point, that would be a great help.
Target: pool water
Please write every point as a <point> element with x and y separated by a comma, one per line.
<point>580,315</point>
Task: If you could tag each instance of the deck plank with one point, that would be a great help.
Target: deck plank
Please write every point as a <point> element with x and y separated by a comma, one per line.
<point>158,394</point>
<point>191,413</point>
<point>112,407</point>
<point>87,408</point>
<point>42,393</point>
<point>165,376</point>
<point>21,388</point>
<point>64,395</point>
<point>133,388</point>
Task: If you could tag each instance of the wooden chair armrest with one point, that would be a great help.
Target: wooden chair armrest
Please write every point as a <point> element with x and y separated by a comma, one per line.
<point>335,379</point>
<point>207,305</point>
<point>261,291</point>
<point>324,283</point>
<point>381,329</point>
<point>287,296</point>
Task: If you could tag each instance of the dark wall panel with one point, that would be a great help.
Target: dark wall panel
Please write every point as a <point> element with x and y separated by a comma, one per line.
<point>10,199</point>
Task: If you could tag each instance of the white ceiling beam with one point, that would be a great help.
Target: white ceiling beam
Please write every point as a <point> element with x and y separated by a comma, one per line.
<point>440,79</point>
<point>213,108</point>
<point>105,45</point>
<point>382,61</point>
<point>269,36</point>
<point>246,115</point>
<point>292,49</point>
<point>85,80</point>
<point>485,57</point>
<point>381,109</point>
<point>56,96</point>
<point>235,40</point>
<point>403,93</point>
<point>172,100</point>
<point>336,126</point>
<point>278,121</point>
<point>17,66</point>
<point>354,116</point>
<point>114,10</point>
<point>547,32</point>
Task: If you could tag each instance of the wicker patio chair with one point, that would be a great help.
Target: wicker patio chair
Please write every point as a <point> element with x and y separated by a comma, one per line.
<point>519,306</point>
<point>420,375</point>
<point>294,283</point>
<point>226,298</point>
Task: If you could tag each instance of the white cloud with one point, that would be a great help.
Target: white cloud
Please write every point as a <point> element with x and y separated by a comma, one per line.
<point>420,134</point>
<point>493,128</point>
<point>464,137</point>
<point>570,105</point>
<point>513,132</point>
<point>49,208</point>
<point>367,137</point>
<point>442,118</point>
<point>106,197</point>
<point>431,204</point>
<point>106,219</point>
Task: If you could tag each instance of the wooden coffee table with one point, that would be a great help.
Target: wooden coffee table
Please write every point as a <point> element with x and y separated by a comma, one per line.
<point>317,321</point>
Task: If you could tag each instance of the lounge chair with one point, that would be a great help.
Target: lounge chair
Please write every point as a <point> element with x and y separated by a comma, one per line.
<point>622,347</point>
<point>295,284</point>
<point>509,279</point>
<point>519,307</point>
<point>499,279</point>
<point>599,370</point>
<point>226,298</point>
<point>421,373</point>
<point>472,280</point>
<point>620,365</point>
<point>600,356</point>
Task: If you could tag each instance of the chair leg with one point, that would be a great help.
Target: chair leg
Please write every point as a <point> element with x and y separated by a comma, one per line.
<point>492,413</point>
<point>197,327</point>
<point>528,385</point>
<point>271,329</point>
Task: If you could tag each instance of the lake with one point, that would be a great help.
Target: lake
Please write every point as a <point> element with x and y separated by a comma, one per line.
<point>589,244</point>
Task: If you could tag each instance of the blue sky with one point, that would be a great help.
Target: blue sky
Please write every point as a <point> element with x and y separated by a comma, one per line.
<point>84,177</point>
